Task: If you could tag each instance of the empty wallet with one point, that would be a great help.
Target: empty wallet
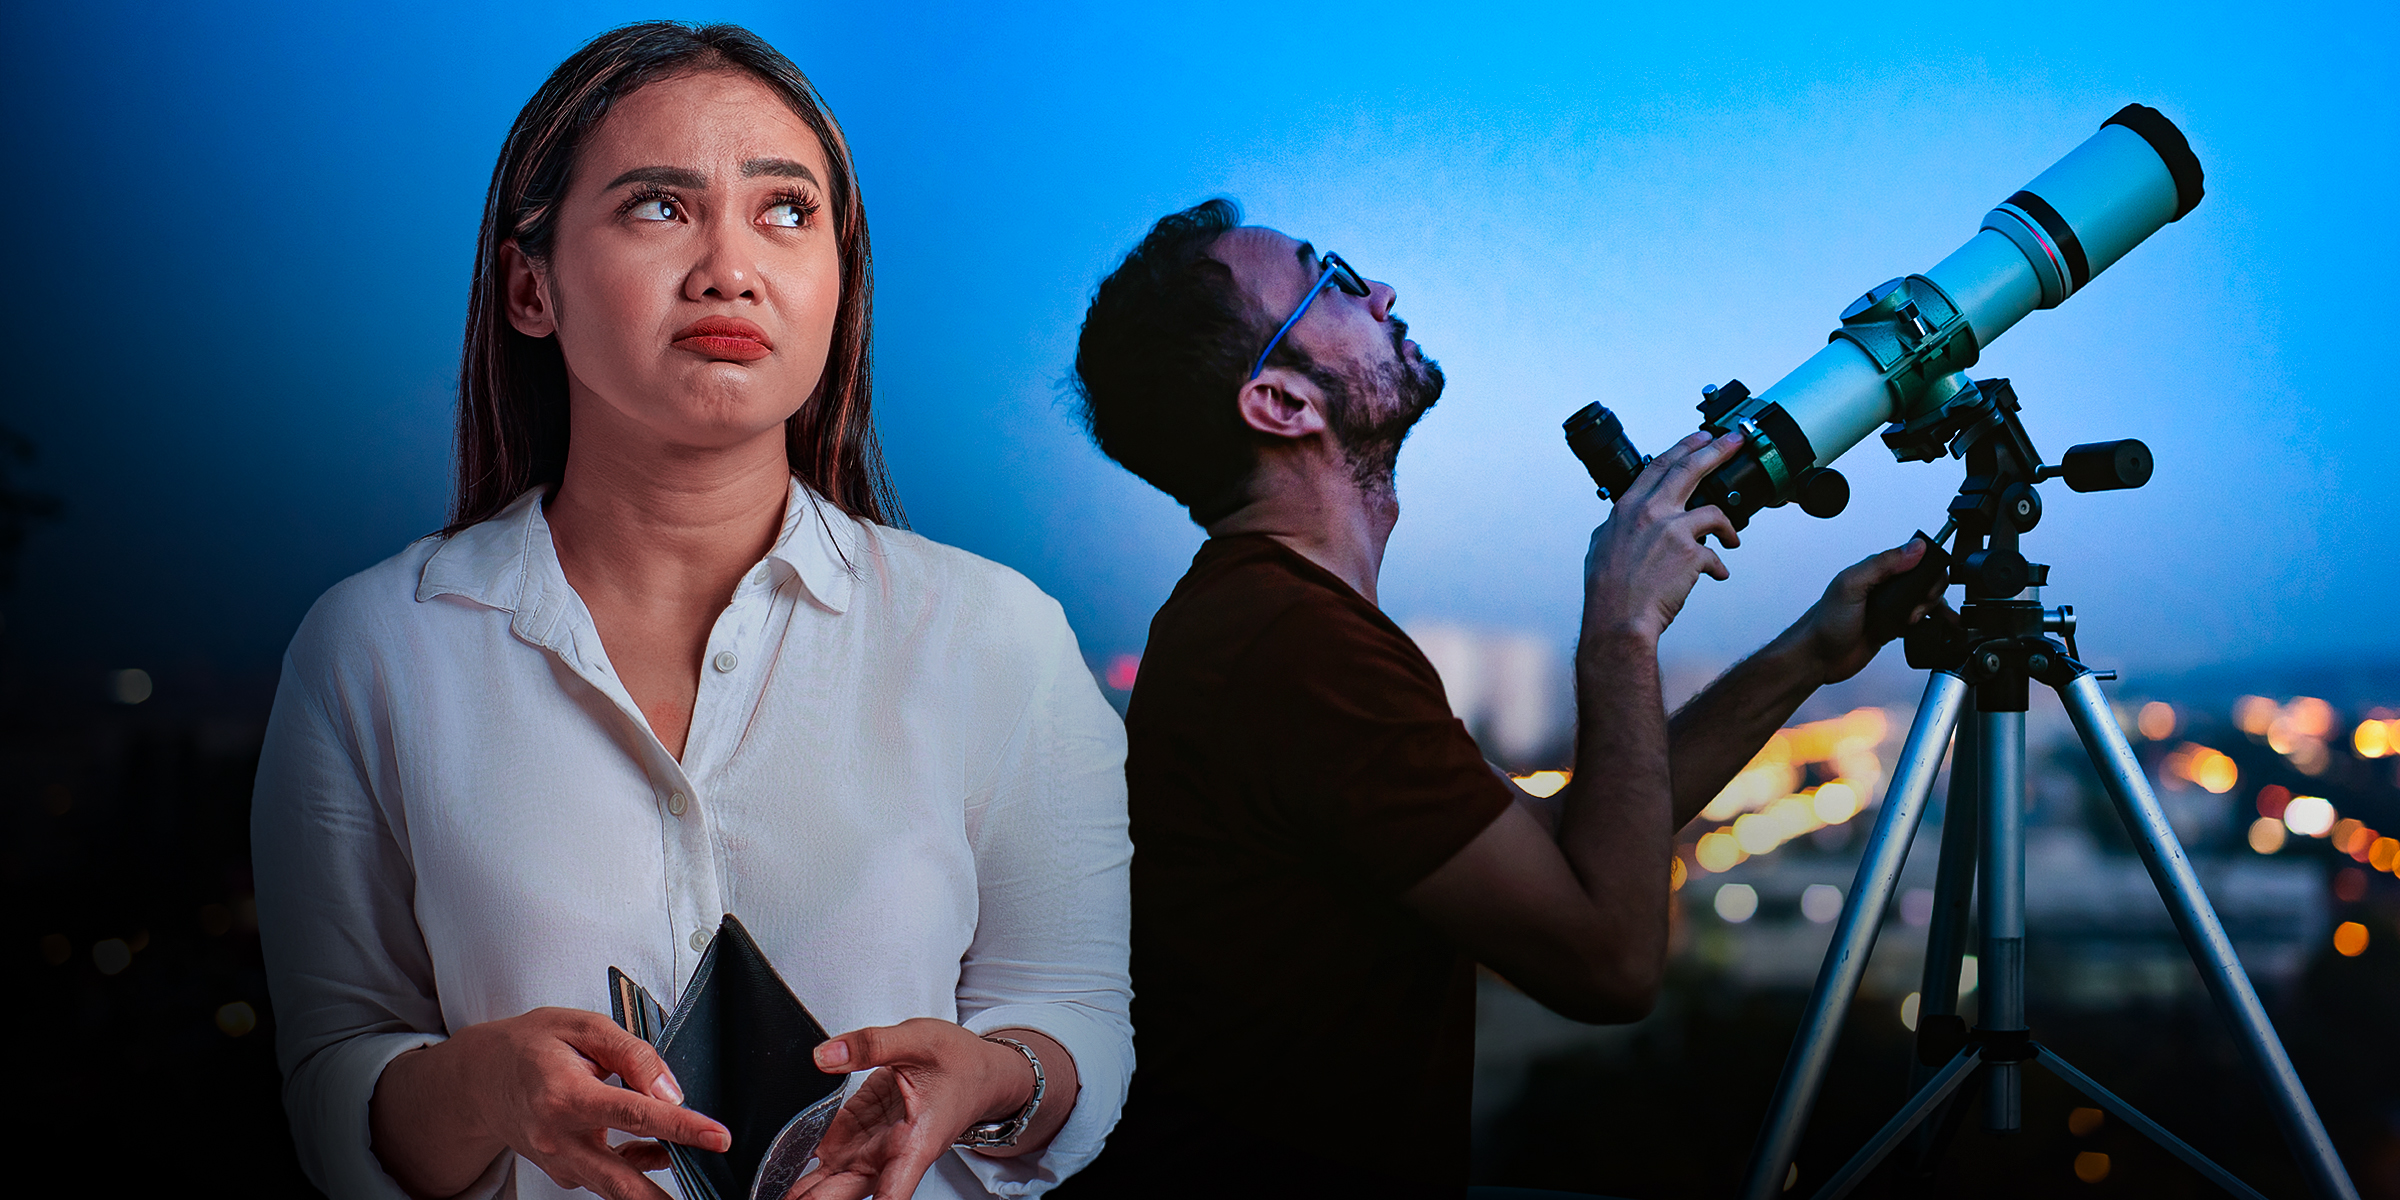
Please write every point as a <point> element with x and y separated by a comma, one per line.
<point>743,1048</point>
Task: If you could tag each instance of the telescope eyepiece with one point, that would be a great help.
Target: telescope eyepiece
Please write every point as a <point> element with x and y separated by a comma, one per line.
<point>1598,438</point>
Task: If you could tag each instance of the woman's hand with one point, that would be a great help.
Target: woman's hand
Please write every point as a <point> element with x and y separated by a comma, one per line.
<point>534,1084</point>
<point>932,1080</point>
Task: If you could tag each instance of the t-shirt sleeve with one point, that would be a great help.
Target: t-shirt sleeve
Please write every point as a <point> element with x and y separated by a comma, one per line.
<point>1357,735</point>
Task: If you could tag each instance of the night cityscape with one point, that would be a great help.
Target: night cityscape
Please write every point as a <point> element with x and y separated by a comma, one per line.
<point>253,399</point>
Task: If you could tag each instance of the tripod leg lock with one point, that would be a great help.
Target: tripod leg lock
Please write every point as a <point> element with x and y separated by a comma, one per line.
<point>2006,1045</point>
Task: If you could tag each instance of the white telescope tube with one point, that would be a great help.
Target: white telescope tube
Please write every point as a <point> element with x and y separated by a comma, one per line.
<point>2037,248</point>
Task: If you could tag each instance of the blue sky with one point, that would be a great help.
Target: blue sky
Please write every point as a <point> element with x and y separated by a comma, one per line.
<point>238,277</point>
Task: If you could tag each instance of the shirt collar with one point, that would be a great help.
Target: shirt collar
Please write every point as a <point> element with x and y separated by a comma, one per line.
<point>498,562</point>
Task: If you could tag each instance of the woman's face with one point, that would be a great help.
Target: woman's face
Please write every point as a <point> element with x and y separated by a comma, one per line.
<point>694,277</point>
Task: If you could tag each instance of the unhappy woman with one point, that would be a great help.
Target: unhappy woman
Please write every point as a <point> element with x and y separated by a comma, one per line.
<point>676,665</point>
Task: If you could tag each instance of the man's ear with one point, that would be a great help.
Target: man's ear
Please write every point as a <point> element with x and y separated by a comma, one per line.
<point>1282,403</point>
<point>526,292</point>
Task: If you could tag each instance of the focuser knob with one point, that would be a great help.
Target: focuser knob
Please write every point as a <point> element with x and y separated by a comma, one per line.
<point>1822,492</point>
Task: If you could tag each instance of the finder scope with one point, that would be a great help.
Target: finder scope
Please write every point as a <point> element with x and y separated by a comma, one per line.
<point>1900,353</point>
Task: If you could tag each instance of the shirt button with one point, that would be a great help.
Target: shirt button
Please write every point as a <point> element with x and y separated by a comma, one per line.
<point>759,576</point>
<point>699,939</point>
<point>677,803</point>
<point>728,660</point>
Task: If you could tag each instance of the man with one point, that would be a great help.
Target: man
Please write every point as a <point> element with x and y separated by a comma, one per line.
<point>1321,853</point>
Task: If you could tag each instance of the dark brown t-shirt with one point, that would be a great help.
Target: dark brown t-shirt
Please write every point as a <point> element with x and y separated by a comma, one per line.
<point>1293,767</point>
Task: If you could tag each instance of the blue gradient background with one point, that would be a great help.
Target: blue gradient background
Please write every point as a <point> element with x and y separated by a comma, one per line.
<point>239,254</point>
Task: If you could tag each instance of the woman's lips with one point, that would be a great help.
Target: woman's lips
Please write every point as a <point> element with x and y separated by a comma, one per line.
<point>728,338</point>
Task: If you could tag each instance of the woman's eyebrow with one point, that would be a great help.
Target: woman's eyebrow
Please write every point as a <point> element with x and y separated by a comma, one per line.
<point>681,177</point>
<point>779,166</point>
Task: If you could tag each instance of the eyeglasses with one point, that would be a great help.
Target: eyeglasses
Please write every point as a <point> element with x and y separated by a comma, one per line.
<point>1331,269</point>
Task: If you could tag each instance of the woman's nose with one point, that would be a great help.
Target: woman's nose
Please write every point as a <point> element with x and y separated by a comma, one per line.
<point>725,269</point>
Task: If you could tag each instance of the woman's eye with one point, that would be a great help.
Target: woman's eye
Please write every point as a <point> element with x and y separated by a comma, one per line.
<point>658,209</point>
<point>791,214</point>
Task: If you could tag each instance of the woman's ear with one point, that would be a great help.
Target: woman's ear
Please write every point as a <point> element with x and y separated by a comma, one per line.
<point>526,292</point>
<point>1282,403</point>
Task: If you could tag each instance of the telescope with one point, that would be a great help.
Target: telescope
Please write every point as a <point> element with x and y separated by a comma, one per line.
<point>1899,356</point>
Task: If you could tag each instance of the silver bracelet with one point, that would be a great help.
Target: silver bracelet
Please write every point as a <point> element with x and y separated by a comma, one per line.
<point>993,1135</point>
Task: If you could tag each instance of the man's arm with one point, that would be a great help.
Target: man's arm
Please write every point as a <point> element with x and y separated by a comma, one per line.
<point>1714,735</point>
<point>1568,898</point>
<point>1579,921</point>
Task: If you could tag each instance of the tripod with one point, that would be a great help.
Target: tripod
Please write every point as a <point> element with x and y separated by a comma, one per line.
<point>1998,647</point>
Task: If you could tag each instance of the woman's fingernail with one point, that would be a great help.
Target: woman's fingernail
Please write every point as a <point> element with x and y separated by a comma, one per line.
<point>664,1088</point>
<point>832,1053</point>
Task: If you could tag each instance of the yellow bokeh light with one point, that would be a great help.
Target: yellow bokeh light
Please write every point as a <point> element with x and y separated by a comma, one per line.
<point>1718,851</point>
<point>2157,721</point>
<point>2210,769</point>
<point>1835,803</point>
<point>1542,783</point>
<point>2253,714</point>
<point>2350,939</point>
<point>1908,1010</point>
<point>2373,739</point>
<point>1676,874</point>
<point>2091,1166</point>
<point>2266,835</point>
<point>2342,831</point>
<point>1755,834</point>
<point>2384,854</point>
<point>2084,1122</point>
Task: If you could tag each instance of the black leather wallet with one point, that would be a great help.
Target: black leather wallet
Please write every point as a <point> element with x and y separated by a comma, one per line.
<point>742,1046</point>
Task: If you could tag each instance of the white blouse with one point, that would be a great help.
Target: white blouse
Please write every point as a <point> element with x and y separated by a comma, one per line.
<point>900,775</point>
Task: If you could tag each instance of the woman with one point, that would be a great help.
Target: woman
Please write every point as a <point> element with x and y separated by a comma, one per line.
<point>678,666</point>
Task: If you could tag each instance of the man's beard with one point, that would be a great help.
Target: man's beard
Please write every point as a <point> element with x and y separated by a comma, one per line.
<point>1371,410</point>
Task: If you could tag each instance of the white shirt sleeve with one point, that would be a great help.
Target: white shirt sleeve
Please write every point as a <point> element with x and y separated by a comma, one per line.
<point>1052,857</point>
<point>347,969</point>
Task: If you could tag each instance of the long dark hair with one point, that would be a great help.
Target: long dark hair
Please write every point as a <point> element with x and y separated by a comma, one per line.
<point>512,389</point>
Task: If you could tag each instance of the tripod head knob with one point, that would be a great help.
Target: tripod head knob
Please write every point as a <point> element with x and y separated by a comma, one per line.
<point>1997,573</point>
<point>2105,466</point>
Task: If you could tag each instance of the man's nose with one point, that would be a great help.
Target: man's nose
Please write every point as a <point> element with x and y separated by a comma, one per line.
<point>726,269</point>
<point>1381,297</point>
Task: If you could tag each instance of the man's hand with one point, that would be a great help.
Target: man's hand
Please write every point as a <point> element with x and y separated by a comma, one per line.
<point>1832,634</point>
<point>932,1079</point>
<point>535,1084</point>
<point>1646,557</point>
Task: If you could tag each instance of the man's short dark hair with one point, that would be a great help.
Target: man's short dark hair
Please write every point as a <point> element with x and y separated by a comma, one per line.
<point>1166,346</point>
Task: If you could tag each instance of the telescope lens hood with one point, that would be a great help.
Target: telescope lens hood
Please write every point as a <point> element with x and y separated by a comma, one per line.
<point>2173,149</point>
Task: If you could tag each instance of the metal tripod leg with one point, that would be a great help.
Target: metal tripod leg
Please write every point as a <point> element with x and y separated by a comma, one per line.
<point>2204,936</point>
<point>1946,937</point>
<point>2000,742</point>
<point>1854,936</point>
<point>1927,1102</point>
<point>2143,1125</point>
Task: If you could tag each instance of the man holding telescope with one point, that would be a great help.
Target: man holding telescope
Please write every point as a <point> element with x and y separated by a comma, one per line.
<point>1321,853</point>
